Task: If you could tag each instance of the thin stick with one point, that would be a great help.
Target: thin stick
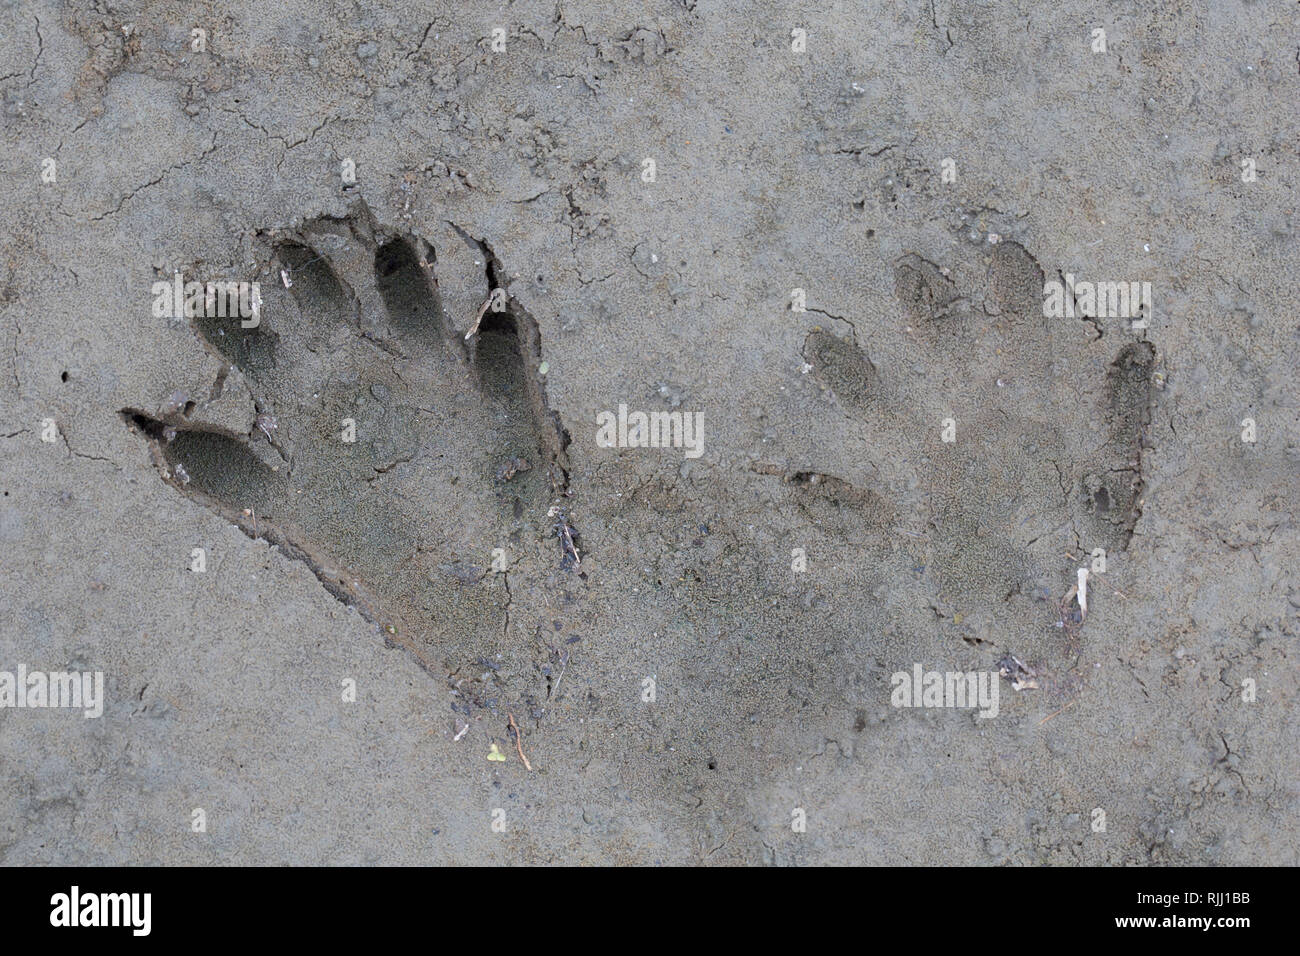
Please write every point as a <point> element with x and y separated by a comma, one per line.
<point>519,742</point>
<point>1062,710</point>
<point>556,689</point>
<point>482,311</point>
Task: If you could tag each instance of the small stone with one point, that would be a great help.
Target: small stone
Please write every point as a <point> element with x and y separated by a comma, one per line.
<point>511,467</point>
<point>175,402</point>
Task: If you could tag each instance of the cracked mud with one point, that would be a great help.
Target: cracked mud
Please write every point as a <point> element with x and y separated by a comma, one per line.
<point>466,255</point>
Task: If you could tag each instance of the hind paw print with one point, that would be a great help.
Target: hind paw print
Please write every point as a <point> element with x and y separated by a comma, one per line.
<point>401,438</point>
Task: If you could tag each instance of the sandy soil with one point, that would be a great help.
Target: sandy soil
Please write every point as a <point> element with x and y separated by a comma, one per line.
<point>834,254</point>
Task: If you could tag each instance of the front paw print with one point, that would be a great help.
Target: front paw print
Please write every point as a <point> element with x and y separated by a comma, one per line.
<point>1014,461</point>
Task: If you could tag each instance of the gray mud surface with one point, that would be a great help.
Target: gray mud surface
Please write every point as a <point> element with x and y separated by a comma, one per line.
<point>697,652</point>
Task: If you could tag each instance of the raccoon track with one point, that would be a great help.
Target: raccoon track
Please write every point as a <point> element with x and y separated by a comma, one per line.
<point>1050,429</point>
<point>358,345</point>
